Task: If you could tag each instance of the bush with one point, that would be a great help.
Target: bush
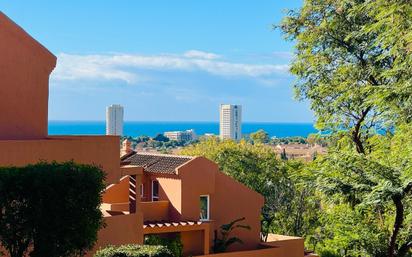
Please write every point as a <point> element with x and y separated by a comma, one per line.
<point>50,209</point>
<point>174,244</point>
<point>329,253</point>
<point>134,251</point>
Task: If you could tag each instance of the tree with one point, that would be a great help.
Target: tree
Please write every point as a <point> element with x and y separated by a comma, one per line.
<point>288,140</point>
<point>353,64</point>
<point>220,245</point>
<point>283,155</point>
<point>394,34</point>
<point>260,137</point>
<point>161,138</point>
<point>42,212</point>
<point>373,184</point>
<point>338,67</point>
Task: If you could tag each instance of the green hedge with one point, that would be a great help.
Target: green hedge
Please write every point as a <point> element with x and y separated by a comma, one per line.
<point>134,251</point>
<point>50,209</point>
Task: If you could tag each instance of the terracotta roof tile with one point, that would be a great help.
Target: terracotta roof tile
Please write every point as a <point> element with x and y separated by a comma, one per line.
<point>156,163</point>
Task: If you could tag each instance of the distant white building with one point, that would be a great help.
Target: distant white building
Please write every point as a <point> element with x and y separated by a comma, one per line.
<point>230,121</point>
<point>188,135</point>
<point>114,120</point>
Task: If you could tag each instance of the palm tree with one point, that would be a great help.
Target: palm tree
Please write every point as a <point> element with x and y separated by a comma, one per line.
<point>221,244</point>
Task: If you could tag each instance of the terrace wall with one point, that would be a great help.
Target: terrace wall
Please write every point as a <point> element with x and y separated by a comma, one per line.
<point>102,151</point>
<point>268,252</point>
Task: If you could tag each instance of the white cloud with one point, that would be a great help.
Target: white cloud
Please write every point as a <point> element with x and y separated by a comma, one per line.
<point>128,67</point>
<point>284,55</point>
<point>201,55</point>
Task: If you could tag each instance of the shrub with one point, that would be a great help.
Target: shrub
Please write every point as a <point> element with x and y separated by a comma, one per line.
<point>50,209</point>
<point>134,251</point>
<point>173,244</point>
<point>329,253</point>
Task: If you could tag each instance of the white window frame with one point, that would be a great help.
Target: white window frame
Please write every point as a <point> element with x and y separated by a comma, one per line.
<point>155,197</point>
<point>141,190</point>
<point>208,207</point>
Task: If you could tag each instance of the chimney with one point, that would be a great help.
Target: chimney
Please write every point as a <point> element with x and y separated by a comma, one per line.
<point>126,147</point>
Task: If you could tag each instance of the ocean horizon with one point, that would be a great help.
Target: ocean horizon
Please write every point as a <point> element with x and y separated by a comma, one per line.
<point>151,128</point>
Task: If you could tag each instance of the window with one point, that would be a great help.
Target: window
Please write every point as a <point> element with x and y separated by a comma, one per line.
<point>141,190</point>
<point>155,190</point>
<point>204,207</point>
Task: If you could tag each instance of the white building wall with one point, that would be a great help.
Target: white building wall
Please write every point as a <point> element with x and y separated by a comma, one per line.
<point>114,120</point>
<point>230,121</point>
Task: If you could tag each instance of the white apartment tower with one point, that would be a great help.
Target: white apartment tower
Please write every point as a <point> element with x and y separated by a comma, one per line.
<point>230,121</point>
<point>114,120</point>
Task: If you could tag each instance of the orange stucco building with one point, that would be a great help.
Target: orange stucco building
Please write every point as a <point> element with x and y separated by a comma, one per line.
<point>145,194</point>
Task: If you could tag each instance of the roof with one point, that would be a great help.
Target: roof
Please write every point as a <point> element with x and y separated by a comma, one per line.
<point>156,163</point>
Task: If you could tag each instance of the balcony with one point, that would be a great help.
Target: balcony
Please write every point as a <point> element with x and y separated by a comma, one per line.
<point>155,211</point>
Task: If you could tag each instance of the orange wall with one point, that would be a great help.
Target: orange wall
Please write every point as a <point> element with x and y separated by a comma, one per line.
<point>198,178</point>
<point>102,151</point>
<point>155,211</point>
<point>229,200</point>
<point>192,242</point>
<point>233,200</point>
<point>25,66</point>
<point>117,193</point>
<point>122,229</point>
<point>269,252</point>
<point>171,190</point>
<point>294,245</point>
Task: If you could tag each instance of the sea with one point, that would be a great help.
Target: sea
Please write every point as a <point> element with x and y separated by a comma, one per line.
<point>152,128</point>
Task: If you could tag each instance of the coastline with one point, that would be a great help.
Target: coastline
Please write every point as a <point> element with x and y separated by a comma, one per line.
<point>151,128</point>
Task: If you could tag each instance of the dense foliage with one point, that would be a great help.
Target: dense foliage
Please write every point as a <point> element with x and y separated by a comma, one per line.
<point>159,142</point>
<point>50,209</point>
<point>134,251</point>
<point>353,64</point>
<point>174,244</point>
<point>259,137</point>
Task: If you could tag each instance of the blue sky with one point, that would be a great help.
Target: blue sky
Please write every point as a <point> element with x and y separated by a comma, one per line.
<point>164,60</point>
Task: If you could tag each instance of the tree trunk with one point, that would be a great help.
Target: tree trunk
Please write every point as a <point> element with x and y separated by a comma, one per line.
<point>356,133</point>
<point>397,200</point>
<point>359,145</point>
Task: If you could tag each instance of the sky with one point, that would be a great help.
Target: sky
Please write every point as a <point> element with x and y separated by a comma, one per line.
<point>165,60</point>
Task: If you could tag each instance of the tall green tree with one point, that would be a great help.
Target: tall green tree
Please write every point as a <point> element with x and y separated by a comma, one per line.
<point>353,64</point>
<point>338,67</point>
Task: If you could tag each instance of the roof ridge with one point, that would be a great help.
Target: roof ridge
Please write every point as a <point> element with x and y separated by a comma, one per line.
<point>166,155</point>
